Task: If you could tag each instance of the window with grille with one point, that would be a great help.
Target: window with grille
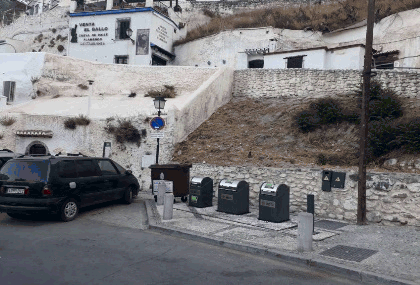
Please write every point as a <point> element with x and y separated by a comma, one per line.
<point>385,60</point>
<point>121,59</point>
<point>295,61</point>
<point>121,30</point>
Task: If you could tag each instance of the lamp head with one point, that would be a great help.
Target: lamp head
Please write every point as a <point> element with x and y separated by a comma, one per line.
<point>159,102</point>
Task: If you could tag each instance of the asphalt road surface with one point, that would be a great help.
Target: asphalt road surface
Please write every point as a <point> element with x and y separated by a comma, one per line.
<point>91,251</point>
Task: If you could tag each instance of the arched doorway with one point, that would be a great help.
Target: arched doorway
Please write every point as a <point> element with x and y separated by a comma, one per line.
<point>37,148</point>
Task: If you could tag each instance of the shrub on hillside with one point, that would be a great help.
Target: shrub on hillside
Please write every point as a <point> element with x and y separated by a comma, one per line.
<point>306,121</point>
<point>408,135</point>
<point>168,91</point>
<point>382,138</point>
<point>125,131</point>
<point>60,48</point>
<point>328,111</point>
<point>72,123</point>
<point>7,121</point>
<point>83,87</point>
<point>383,103</point>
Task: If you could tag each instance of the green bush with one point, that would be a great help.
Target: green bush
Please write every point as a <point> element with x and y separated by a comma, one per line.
<point>409,135</point>
<point>7,121</point>
<point>383,103</point>
<point>328,111</point>
<point>307,121</point>
<point>382,139</point>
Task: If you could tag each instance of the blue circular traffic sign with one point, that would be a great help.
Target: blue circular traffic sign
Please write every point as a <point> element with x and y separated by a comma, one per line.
<point>157,123</point>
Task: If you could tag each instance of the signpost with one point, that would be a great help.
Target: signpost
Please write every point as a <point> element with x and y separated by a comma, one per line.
<point>157,124</point>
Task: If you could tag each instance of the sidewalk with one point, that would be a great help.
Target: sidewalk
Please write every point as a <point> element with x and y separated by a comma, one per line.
<point>373,254</point>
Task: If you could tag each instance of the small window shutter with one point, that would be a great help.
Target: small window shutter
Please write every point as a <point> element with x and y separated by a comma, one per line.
<point>117,29</point>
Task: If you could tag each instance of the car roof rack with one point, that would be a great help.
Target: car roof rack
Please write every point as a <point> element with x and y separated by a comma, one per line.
<point>5,149</point>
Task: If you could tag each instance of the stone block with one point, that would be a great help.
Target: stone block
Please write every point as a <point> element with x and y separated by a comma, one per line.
<point>400,195</point>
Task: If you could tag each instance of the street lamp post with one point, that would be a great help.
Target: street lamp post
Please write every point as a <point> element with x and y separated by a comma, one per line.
<point>159,104</point>
<point>3,42</point>
<point>90,95</point>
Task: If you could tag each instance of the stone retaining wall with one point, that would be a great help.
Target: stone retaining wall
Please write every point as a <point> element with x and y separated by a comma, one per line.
<point>268,83</point>
<point>392,198</point>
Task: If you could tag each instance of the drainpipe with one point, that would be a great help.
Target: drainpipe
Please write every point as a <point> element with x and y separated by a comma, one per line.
<point>73,6</point>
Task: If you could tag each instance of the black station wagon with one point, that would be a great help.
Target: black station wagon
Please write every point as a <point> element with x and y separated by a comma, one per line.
<point>62,184</point>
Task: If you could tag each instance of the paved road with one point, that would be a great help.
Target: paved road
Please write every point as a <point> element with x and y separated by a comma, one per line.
<point>89,251</point>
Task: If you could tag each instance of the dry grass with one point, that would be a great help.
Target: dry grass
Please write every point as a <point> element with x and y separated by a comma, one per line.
<point>168,91</point>
<point>326,17</point>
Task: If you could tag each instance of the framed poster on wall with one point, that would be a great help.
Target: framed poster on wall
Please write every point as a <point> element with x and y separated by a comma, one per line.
<point>142,43</point>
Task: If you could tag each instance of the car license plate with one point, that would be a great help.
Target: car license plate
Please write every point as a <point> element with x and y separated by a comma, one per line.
<point>15,191</point>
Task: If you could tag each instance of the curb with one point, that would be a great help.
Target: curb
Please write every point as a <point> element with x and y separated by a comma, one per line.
<point>363,276</point>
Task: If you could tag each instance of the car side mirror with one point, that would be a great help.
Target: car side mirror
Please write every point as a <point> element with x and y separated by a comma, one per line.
<point>128,172</point>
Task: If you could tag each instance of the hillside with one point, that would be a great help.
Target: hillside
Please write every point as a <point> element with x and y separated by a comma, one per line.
<point>249,132</point>
<point>323,16</point>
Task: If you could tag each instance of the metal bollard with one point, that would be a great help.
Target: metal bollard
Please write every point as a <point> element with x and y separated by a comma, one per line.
<point>168,206</point>
<point>305,230</point>
<point>310,206</point>
<point>161,193</point>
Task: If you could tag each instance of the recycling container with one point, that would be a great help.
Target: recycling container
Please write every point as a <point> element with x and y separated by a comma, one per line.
<point>274,202</point>
<point>179,174</point>
<point>201,192</point>
<point>233,197</point>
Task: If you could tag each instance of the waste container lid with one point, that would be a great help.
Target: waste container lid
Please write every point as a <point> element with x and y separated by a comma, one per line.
<point>229,183</point>
<point>170,166</point>
<point>269,187</point>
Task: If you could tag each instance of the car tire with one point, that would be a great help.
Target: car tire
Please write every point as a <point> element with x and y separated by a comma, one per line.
<point>69,210</point>
<point>17,216</point>
<point>128,195</point>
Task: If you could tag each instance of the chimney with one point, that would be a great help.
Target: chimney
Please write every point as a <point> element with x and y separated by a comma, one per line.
<point>73,5</point>
<point>149,3</point>
<point>109,4</point>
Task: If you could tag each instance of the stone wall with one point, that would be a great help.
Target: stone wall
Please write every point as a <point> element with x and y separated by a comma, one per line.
<point>392,198</point>
<point>269,83</point>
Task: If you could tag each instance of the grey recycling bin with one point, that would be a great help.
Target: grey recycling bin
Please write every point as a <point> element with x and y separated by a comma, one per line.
<point>274,202</point>
<point>233,197</point>
<point>201,192</point>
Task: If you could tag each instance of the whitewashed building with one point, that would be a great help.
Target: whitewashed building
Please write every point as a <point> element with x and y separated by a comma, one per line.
<point>324,58</point>
<point>129,35</point>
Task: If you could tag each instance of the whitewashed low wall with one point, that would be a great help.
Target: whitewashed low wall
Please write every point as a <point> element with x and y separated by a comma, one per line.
<point>392,198</point>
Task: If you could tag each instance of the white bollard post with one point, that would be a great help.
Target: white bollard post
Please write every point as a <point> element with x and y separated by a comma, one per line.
<point>161,193</point>
<point>305,230</point>
<point>168,207</point>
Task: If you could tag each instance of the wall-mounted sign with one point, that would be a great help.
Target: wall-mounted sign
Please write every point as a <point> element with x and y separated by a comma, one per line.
<point>91,34</point>
<point>35,133</point>
<point>142,44</point>
<point>162,34</point>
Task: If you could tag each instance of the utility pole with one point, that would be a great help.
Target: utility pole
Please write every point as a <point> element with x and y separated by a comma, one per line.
<point>361,199</point>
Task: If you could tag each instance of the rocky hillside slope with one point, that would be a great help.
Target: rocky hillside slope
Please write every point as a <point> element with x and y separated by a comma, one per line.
<point>263,133</point>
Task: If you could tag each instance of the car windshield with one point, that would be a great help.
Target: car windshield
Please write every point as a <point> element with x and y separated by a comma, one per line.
<point>35,171</point>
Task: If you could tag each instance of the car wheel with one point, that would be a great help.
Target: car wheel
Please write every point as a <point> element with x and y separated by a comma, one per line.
<point>69,210</point>
<point>17,216</point>
<point>128,195</point>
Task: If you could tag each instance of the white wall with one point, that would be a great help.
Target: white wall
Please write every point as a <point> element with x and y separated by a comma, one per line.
<point>105,53</point>
<point>21,68</point>
<point>314,59</point>
<point>348,58</point>
<point>224,46</point>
